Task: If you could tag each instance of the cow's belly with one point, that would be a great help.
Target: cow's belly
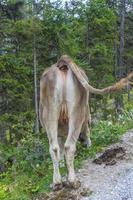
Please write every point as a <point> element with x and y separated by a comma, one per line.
<point>62,130</point>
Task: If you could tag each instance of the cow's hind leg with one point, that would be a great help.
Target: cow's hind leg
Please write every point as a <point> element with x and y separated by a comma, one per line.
<point>75,124</point>
<point>51,124</point>
<point>84,137</point>
<point>85,132</point>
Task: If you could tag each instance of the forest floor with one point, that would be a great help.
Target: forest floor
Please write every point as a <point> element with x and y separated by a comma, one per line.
<point>108,177</point>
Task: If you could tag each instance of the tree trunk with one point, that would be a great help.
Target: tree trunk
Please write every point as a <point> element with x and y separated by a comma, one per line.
<point>119,99</point>
<point>122,29</point>
<point>35,75</point>
<point>3,135</point>
<point>128,92</point>
<point>35,86</point>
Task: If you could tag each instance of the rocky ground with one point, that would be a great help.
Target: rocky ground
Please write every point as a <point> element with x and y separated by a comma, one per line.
<point>111,179</point>
<point>108,177</point>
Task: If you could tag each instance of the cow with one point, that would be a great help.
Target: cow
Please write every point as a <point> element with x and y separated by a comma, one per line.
<point>64,112</point>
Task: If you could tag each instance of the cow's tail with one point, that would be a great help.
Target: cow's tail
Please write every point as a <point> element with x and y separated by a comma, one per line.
<point>68,62</point>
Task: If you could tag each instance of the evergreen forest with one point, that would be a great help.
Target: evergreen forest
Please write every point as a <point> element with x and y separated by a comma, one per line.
<point>98,36</point>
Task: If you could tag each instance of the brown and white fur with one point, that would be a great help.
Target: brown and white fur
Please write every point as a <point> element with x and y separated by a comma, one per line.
<point>64,112</point>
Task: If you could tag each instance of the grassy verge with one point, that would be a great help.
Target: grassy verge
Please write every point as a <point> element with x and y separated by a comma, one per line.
<point>31,172</point>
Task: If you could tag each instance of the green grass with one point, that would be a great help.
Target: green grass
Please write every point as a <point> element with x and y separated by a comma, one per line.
<point>31,174</point>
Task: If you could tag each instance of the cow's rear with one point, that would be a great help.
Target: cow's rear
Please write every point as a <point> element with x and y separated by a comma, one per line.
<point>63,107</point>
<point>64,110</point>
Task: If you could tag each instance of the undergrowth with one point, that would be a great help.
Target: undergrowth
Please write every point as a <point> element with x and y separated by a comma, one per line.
<point>28,166</point>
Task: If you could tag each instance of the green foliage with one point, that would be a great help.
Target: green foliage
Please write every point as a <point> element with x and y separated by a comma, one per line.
<point>30,162</point>
<point>103,134</point>
<point>30,172</point>
<point>88,32</point>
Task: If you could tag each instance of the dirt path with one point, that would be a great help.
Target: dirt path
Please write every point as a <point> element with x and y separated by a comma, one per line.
<point>110,177</point>
<point>113,181</point>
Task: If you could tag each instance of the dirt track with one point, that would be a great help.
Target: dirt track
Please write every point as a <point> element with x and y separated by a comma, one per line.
<point>109,177</point>
<point>113,180</point>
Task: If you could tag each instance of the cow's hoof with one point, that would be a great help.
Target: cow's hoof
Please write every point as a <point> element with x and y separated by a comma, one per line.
<point>88,145</point>
<point>57,186</point>
<point>75,185</point>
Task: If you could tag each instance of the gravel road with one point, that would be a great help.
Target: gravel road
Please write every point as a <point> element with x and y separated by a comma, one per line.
<point>110,182</point>
<point>111,179</point>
